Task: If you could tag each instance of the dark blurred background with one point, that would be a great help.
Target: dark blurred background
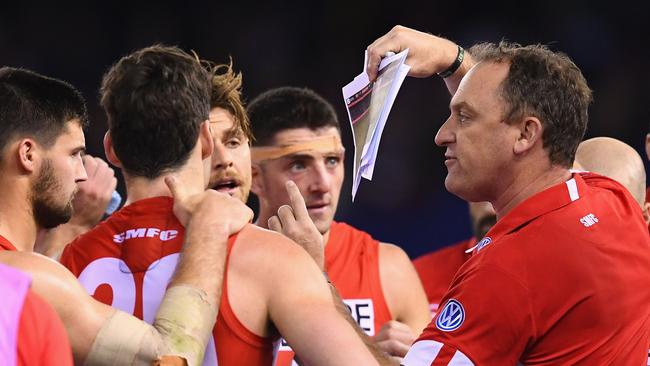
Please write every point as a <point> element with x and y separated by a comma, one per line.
<point>320,45</point>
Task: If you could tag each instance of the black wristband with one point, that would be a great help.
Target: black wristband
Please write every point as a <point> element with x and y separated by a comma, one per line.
<point>454,66</point>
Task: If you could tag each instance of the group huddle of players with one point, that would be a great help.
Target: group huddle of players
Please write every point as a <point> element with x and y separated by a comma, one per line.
<point>553,274</point>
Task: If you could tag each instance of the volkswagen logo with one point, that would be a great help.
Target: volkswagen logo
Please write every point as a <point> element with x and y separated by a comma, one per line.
<point>451,317</point>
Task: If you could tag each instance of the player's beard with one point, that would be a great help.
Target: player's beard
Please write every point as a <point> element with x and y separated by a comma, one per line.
<point>47,209</point>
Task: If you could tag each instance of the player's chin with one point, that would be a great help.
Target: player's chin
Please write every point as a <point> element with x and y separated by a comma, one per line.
<point>323,223</point>
<point>457,186</point>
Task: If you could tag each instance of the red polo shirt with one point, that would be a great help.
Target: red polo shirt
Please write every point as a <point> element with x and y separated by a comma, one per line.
<point>559,280</point>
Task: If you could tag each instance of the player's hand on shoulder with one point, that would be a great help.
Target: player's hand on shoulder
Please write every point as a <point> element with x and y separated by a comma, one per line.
<point>293,221</point>
<point>209,211</point>
<point>395,338</point>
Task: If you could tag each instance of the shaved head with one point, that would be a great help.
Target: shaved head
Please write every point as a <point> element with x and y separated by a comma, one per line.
<point>614,159</point>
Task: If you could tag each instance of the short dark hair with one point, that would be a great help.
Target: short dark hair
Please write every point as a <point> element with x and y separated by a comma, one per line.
<point>226,94</point>
<point>547,85</point>
<point>288,107</point>
<point>155,99</point>
<point>37,106</point>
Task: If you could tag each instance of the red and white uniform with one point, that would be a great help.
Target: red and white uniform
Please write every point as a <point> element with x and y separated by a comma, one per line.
<point>559,280</point>
<point>437,269</point>
<point>31,332</point>
<point>352,262</point>
<point>127,262</point>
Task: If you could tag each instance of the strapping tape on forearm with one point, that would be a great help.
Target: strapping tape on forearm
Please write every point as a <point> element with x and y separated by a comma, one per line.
<point>186,318</point>
<point>325,144</point>
<point>125,340</point>
<point>182,328</point>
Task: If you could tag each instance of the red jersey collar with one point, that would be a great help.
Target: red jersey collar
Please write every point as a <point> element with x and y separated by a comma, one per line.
<point>6,245</point>
<point>539,204</point>
<point>160,204</point>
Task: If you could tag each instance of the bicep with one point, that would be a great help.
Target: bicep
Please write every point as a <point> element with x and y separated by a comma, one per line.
<point>303,310</point>
<point>402,288</point>
<point>81,315</point>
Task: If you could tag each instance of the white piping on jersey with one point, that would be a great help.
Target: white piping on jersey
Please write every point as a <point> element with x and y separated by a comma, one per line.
<point>573,189</point>
<point>424,353</point>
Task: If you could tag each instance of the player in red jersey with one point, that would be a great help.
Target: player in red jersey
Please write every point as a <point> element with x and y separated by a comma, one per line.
<point>30,331</point>
<point>297,137</point>
<point>42,142</point>
<point>437,269</point>
<point>554,282</point>
<point>127,260</point>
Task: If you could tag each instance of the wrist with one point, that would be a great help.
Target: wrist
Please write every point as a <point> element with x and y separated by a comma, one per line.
<point>460,56</point>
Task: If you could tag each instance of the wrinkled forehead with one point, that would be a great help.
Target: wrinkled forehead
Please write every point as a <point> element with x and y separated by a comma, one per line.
<point>222,122</point>
<point>311,146</point>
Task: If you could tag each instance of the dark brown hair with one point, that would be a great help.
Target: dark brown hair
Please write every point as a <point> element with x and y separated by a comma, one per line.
<point>547,85</point>
<point>37,106</point>
<point>156,99</point>
<point>226,94</point>
<point>285,108</point>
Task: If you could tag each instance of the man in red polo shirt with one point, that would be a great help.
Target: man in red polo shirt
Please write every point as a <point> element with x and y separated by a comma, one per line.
<point>556,279</point>
<point>437,269</point>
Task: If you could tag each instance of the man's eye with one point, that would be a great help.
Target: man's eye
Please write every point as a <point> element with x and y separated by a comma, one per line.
<point>233,143</point>
<point>297,166</point>
<point>332,161</point>
<point>462,117</point>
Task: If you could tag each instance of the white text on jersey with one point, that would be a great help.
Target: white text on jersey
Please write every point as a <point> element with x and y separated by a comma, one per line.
<point>150,232</point>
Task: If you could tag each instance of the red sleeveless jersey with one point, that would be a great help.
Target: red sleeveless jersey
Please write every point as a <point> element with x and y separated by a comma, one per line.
<point>35,334</point>
<point>352,263</point>
<point>127,262</point>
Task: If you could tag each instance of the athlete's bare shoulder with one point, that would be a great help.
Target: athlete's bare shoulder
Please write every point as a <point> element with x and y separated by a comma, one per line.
<point>33,263</point>
<point>265,241</point>
<point>49,278</point>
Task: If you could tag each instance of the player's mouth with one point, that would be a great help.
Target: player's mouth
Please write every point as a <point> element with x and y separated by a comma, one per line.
<point>449,159</point>
<point>317,207</point>
<point>228,186</point>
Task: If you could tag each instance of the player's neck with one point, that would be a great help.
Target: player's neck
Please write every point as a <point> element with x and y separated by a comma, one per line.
<point>139,188</point>
<point>528,184</point>
<point>17,222</point>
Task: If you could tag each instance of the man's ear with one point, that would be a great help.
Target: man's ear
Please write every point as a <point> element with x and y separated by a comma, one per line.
<point>257,184</point>
<point>109,151</point>
<point>207,144</point>
<point>530,133</point>
<point>29,155</point>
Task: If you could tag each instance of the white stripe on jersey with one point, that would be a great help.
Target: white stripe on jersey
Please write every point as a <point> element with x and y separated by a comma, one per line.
<point>422,353</point>
<point>573,189</point>
<point>460,359</point>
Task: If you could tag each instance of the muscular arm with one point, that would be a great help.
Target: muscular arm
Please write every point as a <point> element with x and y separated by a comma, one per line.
<point>406,300</point>
<point>294,222</point>
<point>81,315</point>
<point>304,305</point>
<point>182,331</point>
<point>379,355</point>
